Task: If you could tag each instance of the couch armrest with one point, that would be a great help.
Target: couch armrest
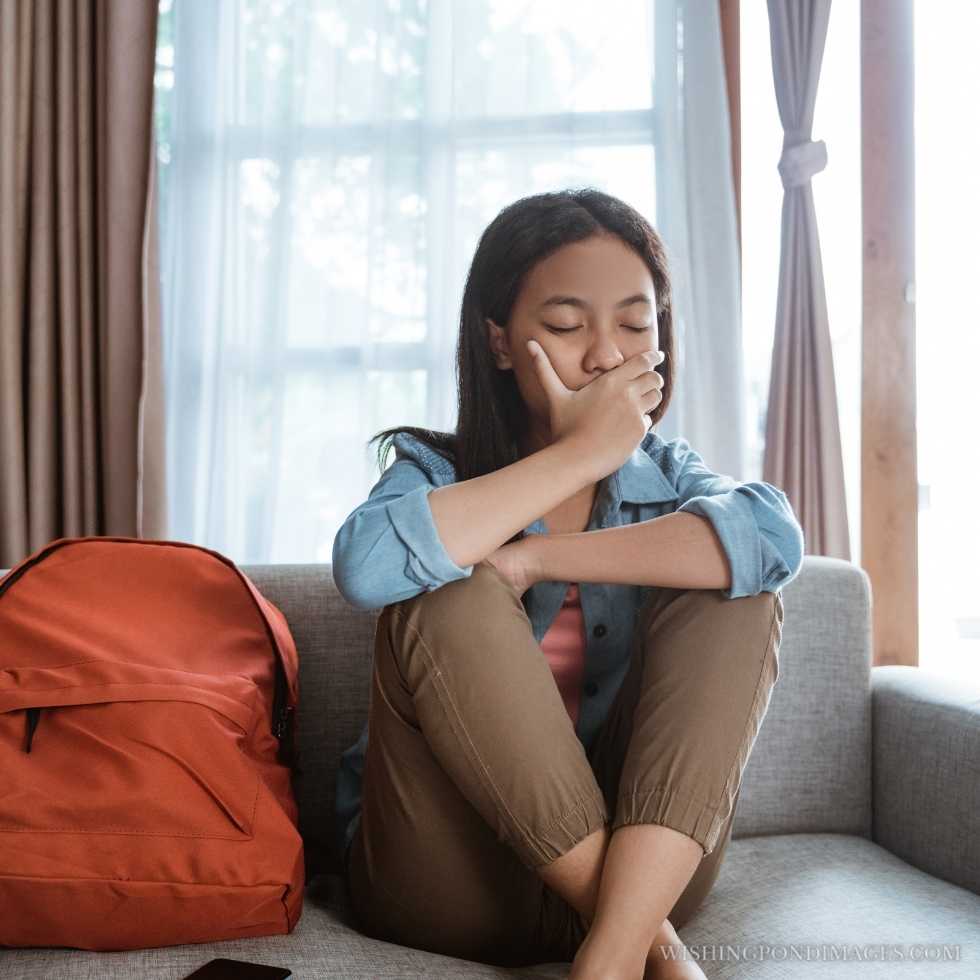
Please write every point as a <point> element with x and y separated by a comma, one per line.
<point>926,771</point>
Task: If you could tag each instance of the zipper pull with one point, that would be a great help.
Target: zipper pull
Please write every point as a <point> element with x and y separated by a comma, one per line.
<point>33,717</point>
<point>285,753</point>
<point>281,721</point>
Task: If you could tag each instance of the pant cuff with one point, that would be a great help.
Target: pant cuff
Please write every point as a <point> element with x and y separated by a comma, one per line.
<point>673,807</point>
<point>541,846</point>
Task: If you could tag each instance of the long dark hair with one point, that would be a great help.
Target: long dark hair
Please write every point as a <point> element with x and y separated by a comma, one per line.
<point>492,414</point>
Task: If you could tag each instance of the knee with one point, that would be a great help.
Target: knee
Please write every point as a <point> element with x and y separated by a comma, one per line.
<point>750,632</point>
<point>451,608</point>
<point>712,605</point>
<point>761,612</point>
<point>457,601</point>
<point>711,623</point>
<point>761,616</point>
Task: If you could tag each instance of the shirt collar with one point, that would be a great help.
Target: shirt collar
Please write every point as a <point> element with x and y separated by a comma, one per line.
<point>640,480</point>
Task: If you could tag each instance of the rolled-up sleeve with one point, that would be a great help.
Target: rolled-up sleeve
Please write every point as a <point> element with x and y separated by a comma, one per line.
<point>754,521</point>
<point>388,548</point>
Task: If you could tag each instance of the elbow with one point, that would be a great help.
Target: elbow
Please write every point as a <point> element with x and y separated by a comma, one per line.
<point>783,543</point>
<point>795,558</point>
<point>793,543</point>
<point>355,596</point>
<point>792,546</point>
<point>785,558</point>
<point>365,571</point>
<point>347,568</point>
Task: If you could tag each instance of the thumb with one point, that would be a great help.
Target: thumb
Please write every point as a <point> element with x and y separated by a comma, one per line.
<point>552,384</point>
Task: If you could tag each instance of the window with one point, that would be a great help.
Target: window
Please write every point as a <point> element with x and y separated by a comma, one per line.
<point>947,257</point>
<point>326,169</point>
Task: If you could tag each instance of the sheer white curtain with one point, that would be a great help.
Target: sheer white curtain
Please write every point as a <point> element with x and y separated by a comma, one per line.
<point>326,171</point>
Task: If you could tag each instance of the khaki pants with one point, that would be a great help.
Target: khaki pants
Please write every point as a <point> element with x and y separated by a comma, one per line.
<point>474,775</point>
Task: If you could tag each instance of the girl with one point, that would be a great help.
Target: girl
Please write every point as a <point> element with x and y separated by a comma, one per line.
<point>579,624</point>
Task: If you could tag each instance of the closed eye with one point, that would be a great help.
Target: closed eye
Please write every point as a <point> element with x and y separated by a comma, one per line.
<point>579,326</point>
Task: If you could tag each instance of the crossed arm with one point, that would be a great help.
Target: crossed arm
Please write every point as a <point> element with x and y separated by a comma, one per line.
<point>677,551</point>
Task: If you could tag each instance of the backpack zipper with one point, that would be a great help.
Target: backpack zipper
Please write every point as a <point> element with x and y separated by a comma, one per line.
<point>33,717</point>
<point>280,712</point>
<point>278,705</point>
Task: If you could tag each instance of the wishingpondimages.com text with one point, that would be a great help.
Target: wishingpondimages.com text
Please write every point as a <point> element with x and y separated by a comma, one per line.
<point>818,952</point>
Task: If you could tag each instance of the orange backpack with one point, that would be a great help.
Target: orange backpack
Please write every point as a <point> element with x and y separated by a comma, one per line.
<point>148,699</point>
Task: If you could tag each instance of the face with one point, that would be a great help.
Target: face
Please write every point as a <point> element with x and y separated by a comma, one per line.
<point>607,315</point>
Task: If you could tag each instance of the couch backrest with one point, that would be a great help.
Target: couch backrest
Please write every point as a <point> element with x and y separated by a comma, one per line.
<point>335,643</point>
<point>810,769</point>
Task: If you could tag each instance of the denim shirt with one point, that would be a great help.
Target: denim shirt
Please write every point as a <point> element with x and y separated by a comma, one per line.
<point>388,549</point>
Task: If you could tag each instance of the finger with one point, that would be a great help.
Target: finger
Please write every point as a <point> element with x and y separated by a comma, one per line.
<point>651,399</point>
<point>648,381</point>
<point>642,363</point>
<point>552,384</point>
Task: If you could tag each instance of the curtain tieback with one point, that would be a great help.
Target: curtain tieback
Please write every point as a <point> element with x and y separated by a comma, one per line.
<point>800,161</point>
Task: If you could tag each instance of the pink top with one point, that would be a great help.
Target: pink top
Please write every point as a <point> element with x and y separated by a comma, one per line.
<point>564,648</point>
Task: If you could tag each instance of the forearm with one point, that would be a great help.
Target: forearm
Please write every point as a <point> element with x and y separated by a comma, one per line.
<point>475,517</point>
<point>677,551</point>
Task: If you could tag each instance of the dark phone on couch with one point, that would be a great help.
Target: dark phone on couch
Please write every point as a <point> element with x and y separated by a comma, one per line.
<point>238,970</point>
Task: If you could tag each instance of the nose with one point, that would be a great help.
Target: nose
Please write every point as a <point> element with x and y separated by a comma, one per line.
<point>603,355</point>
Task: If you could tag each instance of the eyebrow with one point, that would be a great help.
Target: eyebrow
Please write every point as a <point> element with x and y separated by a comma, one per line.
<point>583,305</point>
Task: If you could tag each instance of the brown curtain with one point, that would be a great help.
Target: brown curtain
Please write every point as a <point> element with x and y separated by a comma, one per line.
<point>81,400</point>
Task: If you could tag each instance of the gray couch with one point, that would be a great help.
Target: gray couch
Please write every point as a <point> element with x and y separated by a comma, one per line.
<point>857,834</point>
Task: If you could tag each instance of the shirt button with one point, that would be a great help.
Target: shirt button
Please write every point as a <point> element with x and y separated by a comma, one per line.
<point>600,630</point>
<point>591,689</point>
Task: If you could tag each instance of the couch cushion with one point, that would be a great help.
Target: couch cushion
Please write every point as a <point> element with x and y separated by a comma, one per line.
<point>818,889</point>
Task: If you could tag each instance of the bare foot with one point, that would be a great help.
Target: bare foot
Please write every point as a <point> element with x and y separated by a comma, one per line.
<point>670,964</point>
